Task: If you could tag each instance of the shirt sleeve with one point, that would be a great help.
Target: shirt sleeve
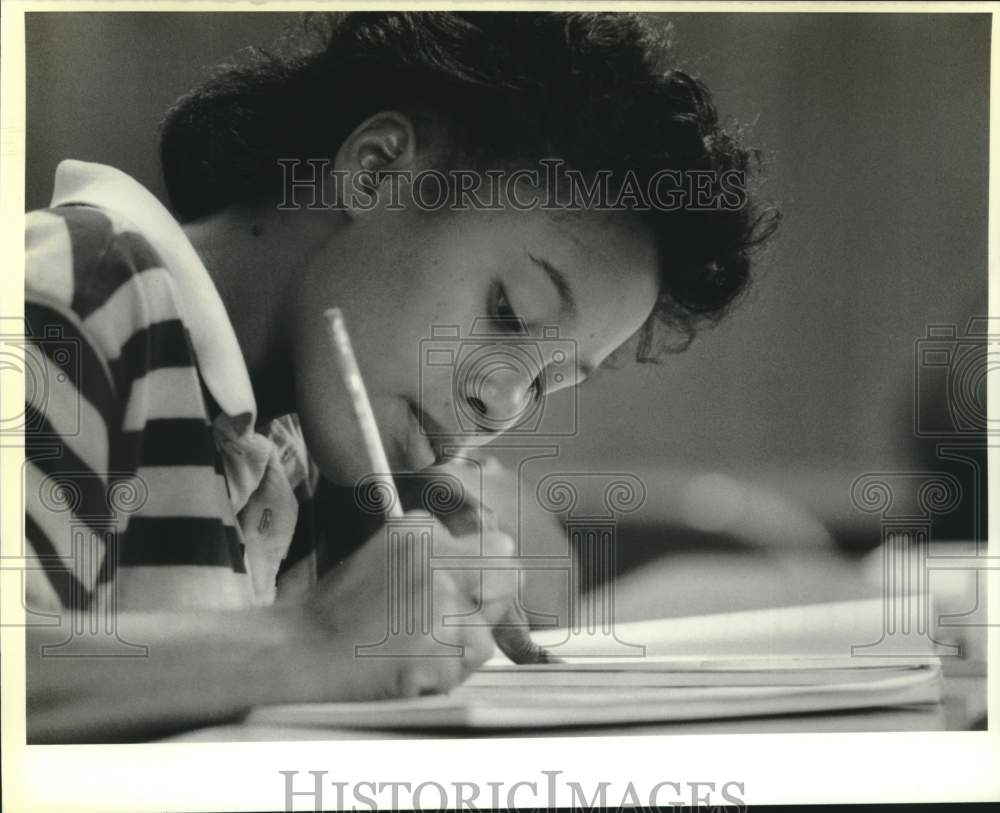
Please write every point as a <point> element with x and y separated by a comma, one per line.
<point>71,407</point>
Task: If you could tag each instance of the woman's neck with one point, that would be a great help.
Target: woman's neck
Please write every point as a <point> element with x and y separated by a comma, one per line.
<point>242,256</point>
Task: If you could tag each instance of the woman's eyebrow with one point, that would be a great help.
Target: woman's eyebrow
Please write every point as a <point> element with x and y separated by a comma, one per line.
<point>558,278</point>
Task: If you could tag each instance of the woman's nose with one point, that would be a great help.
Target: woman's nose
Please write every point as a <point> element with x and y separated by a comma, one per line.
<point>502,397</point>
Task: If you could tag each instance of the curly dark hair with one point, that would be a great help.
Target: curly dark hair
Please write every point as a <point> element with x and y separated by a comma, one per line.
<point>589,88</point>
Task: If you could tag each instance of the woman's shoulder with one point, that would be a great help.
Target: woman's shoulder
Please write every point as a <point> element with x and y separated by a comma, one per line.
<point>96,268</point>
<point>81,254</point>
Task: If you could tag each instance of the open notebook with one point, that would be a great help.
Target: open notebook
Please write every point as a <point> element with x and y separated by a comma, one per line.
<point>563,695</point>
<point>799,666</point>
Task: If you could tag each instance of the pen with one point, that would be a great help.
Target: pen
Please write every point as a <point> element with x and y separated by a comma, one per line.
<point>513,639</point>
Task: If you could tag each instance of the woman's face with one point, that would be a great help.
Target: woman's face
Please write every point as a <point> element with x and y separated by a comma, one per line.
<point>461,321</point>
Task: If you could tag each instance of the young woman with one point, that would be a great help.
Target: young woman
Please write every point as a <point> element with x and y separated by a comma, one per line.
<point>300,181</point>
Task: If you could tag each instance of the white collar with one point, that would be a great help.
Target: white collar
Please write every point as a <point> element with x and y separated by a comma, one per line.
<point>220,359</point>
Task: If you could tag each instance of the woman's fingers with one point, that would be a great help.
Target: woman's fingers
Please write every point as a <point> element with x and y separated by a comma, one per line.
<point>430,671</point>
<point>493,587</point>
<point>513,637</point>
<point>468,587</point>
<point>485,568</point>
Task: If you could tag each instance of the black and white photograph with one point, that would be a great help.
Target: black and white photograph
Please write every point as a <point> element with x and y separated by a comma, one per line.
<point>466,378</point>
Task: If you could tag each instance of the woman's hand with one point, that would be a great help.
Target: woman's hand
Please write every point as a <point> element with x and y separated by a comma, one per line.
<point>199,667</point>
<point>351,608</point>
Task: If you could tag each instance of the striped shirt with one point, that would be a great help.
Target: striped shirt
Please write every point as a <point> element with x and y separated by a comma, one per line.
<point>144,473</point>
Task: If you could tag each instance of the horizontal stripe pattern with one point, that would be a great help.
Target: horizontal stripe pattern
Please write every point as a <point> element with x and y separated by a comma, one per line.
<point>162,344</point>
<point>169,442</point>
<point>124,483</point>
<point>170,392</point>
<point>192,491</point>
<point>147,297</point>
<point>182,541</point>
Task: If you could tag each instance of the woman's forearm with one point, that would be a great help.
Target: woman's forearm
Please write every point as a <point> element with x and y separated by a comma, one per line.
<point>198,669</point>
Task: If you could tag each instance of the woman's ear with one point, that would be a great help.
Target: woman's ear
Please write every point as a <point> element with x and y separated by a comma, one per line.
<point>383,143</point>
